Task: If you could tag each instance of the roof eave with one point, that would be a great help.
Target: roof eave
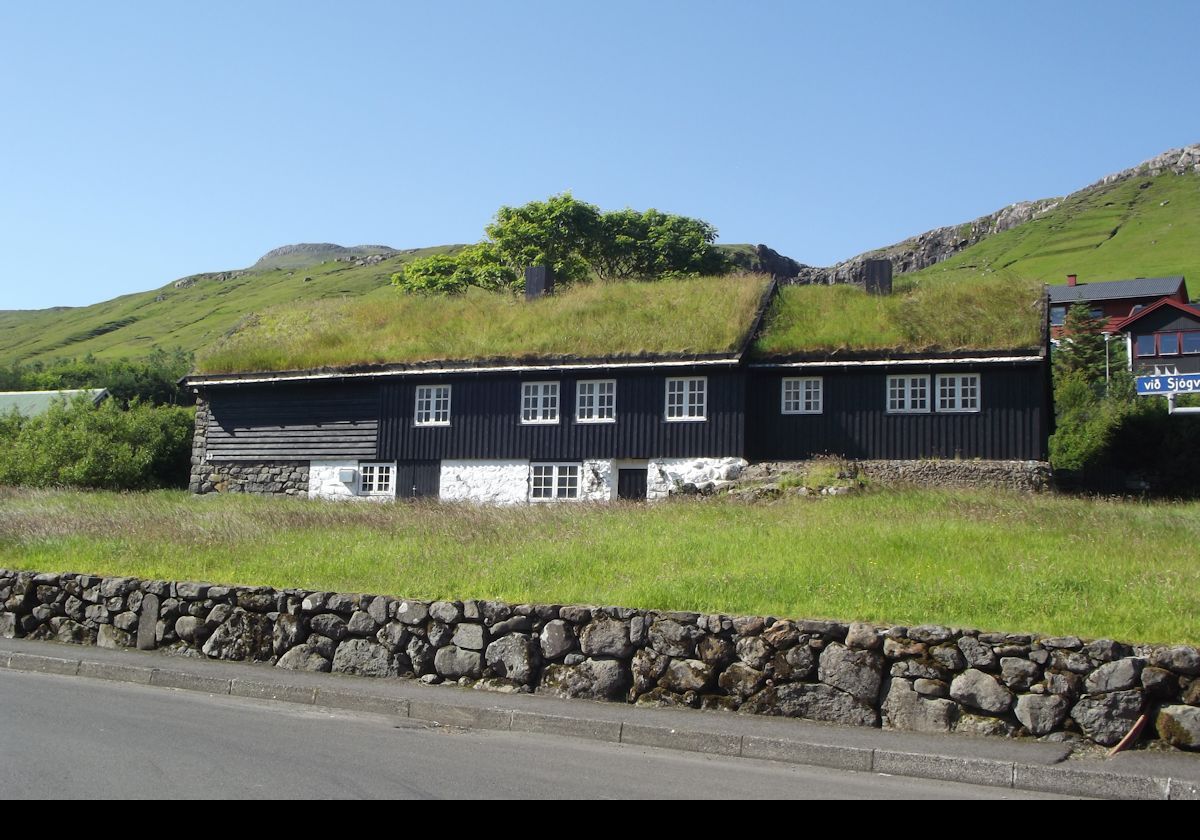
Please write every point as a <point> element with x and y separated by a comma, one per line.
<point>459,367</point>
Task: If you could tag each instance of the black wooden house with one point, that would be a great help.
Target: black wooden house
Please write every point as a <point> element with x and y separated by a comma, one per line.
<point>604,428</point>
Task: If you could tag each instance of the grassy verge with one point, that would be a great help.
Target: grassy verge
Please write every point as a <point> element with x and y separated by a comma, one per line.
<point>992,560</point>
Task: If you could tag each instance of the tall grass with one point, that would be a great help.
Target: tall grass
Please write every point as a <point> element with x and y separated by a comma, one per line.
<point>704,315</point>
<point>988,559</point>
<point>984,313</point>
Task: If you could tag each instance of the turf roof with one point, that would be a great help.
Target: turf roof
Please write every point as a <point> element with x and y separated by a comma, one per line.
<point>668,318</point>
<point>704,317</point>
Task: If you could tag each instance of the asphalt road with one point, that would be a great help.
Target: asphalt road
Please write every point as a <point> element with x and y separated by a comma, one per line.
<point>66,737</point>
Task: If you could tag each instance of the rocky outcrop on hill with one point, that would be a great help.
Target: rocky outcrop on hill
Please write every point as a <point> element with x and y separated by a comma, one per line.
<point>935,246</point>
<point>308,253</point>
<point>1178,161</point>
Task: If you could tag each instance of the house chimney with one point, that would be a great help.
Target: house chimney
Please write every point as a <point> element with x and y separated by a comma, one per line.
<point>877,277</point>
<point>539,282</point>
<point>1072,279</point>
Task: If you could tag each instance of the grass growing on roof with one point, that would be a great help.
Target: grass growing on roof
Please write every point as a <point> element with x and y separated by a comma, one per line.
<point>988,313</point>
<point>704,315</point>
<point>995,560</point>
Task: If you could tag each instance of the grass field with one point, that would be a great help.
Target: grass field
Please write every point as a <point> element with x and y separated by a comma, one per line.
<point>992,560</point>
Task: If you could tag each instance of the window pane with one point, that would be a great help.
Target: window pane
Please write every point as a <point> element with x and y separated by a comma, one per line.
<point>606,408</point>
<point>791,395</point>
<point>1058,315</point>
<point>1191,342</point>
<point>1145,345</point>
<point>1168,344</point>
<point>946,393</point>
<point>969,393</point>
<point>918,396</point>
<point>812,395</point>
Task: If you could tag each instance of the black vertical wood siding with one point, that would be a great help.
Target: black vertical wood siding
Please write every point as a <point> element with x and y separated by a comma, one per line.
<point>485,419</point>
<point>293,422</point>
<point>1012,422</point>
<point>374,421</point>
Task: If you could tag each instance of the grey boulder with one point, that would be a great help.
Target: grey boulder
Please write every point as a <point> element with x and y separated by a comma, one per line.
<point>981,691</point>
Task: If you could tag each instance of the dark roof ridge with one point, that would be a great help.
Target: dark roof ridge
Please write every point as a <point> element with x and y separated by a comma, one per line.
<point>1113,289</point>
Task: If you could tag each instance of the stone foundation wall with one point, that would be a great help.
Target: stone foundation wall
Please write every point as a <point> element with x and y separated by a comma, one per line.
<point>671,476</point>
<point>200,469</point>
<point>926,678</point>
<point>280,477</point>
<point>287,478</point>
<point>489,482</point>
<point>1028,476</point>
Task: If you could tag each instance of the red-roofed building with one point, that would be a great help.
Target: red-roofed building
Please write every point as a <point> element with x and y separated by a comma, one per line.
<point>1113,300</point>
<point>1164,335</point>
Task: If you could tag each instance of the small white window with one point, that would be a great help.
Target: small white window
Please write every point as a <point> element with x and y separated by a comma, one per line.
<point>907,394</point>
<point>596,401</point>
<point>539,402</point>
<point>433,405</point>
<point>958,392</point>
<point>548,482</point>
<point>687,398</point>
<point>376,479</point>
<point>802,395</point>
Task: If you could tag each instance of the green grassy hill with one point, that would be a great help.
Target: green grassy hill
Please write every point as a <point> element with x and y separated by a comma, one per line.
<point>1136,227</point>
<point>195,311</point>
<point>190,313</point>
<point>1143,222</point>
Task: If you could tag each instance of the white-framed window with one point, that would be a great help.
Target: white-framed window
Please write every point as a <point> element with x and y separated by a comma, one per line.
<point>548,482</point>
<point>596,401</point>
<point>539,402</point>
<point>376,479</point>
<point>908,394</point>
<point>802,395</point>
<point>958,392</point>
<point>687,398</point>
<point>433,405</point>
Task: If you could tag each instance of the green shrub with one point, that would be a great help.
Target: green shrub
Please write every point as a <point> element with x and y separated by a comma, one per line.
<point>153,378</point>
<point>77,444</point>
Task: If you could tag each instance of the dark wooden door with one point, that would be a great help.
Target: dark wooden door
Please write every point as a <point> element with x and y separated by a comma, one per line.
<point>418,479</point>
<point>631,484</point>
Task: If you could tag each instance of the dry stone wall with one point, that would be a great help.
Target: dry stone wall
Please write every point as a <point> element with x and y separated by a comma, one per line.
<point>1026,476</point>
<point>1029,476</point>
<point>927,678</point>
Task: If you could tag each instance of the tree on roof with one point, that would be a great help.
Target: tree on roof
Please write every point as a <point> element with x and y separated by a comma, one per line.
<point>577,241</point>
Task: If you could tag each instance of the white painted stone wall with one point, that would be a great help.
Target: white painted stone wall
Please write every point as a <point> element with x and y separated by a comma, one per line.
<point>665,474</point>
<point>485,482</point>
<point>324,483</point>
<point>598,481</point>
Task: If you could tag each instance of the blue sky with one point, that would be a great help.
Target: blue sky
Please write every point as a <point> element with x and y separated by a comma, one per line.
<point>141,142</point>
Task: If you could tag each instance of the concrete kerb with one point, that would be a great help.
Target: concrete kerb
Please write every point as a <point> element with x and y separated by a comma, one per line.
<point>43,664</point>
<point>1007,774</point>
